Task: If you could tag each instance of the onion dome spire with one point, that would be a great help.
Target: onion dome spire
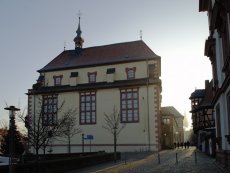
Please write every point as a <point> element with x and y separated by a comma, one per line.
<point>78,39</point>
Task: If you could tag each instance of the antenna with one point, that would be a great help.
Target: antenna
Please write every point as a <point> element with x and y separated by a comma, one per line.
<point>141,34</point>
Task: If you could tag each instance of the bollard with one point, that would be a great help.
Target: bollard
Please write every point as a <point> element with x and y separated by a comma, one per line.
<point>195,158</point>
<point>176,159</point>
<point>159,159</point>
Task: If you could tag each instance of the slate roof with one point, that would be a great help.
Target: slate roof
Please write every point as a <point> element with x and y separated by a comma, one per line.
<point>101,55</point>
<point>198,93</point>
<point>170,110</point>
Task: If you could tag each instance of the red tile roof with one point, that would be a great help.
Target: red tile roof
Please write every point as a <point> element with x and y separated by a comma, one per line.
<point>101,55</point>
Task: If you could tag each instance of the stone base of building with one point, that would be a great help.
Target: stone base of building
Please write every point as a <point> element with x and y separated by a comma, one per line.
<point>223,157</point>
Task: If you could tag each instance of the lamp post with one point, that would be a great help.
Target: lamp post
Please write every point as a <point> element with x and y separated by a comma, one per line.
<point>12,111</point>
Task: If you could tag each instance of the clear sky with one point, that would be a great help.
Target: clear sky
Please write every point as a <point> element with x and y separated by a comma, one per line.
<point>32,33</point>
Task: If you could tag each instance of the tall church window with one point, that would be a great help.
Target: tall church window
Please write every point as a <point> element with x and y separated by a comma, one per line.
<point>88,107</point>
<point>129,105</point>
<point>50,107</point>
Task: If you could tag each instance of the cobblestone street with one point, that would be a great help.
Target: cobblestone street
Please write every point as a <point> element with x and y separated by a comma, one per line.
<point>171,161</point>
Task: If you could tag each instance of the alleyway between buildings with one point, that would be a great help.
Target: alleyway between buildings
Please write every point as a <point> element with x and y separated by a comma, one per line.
<point>167,161</point>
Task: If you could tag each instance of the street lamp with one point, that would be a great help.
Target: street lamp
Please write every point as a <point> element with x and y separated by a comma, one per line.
<point>12,111</point>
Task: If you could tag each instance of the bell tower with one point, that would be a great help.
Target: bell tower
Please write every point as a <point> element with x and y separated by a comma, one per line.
<point>78,39</point>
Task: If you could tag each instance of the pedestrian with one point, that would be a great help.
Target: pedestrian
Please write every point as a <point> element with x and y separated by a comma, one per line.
<point>174,144</point>
<point>188,144</point>
<point>182,145</point>
<point>178,145</point>
<point>185,145</point>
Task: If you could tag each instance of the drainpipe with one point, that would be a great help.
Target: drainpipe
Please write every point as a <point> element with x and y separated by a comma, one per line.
<point>147,92</point>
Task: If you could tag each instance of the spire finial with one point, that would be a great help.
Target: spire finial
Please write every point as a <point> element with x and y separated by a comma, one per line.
<point>78,39</point>
<point>141,34</point>
<point>64,45</point>
<point>79,15</point>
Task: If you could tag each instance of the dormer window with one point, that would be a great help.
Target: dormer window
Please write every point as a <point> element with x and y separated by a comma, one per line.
<point>110,74</point>
<point>131,73</point>
<point>57,80</point>
<point>74,74</point>
<point>92,77</point>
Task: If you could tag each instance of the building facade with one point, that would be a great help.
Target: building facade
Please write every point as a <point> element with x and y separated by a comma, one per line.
<point>203,120</point>
<point>217,48</point>
<point>172,127</point>
<point>94,81</point>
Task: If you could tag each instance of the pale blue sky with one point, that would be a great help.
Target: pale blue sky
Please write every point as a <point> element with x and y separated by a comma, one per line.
<point>33,32</point>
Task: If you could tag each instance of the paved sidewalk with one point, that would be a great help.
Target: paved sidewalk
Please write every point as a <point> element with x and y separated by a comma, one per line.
<point>167,161</point>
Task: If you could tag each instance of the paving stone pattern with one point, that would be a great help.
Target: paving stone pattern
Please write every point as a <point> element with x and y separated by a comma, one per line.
<point>171,161</point>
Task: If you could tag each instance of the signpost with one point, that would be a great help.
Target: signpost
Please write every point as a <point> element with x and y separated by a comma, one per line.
<point>90,138</point>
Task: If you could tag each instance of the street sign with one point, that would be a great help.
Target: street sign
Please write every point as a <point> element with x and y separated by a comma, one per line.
<point>89,137</point>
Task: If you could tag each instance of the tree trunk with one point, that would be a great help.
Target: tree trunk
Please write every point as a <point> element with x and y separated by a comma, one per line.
<point>115,145</point>
<point>37,152</point>
<point>69,149</point>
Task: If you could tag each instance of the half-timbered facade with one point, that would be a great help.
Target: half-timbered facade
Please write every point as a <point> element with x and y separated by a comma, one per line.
<point>203,118</point>
<point>95,80</point>
<point>217,48</point>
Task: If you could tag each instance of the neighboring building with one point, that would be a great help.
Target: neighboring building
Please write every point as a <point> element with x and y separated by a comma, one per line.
<point>172,127</point>
<point>217,48</point>
<point>94,80</point>
<point>203,119</point>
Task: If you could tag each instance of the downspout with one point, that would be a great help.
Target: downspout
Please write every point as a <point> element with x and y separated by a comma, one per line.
<point>147,92</point>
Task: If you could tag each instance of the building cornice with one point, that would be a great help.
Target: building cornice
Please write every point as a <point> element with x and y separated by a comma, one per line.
<point>94,86</point>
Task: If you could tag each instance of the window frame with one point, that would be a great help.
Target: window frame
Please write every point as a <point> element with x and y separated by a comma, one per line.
<point>87,104</point>
<point>58,80</point>
<point>131,72</point>
<point>129,105</point>
<point>228,109</point>
<point>166,121</point>
<point>92,77</point>
<point>49,101</point>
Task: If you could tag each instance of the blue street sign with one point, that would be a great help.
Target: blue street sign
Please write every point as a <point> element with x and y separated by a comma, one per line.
<point>89,137</point>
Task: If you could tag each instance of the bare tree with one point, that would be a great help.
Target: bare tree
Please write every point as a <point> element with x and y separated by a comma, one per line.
<point>40,134</point>
<point>113,126</point>
<point>3,124</point>
<point>70,128</point>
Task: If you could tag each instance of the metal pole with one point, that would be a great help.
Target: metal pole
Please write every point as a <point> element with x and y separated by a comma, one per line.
<point>82,138</point>
<point>195,158</point>
<point>176,159</point>
<point>159,159</point>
